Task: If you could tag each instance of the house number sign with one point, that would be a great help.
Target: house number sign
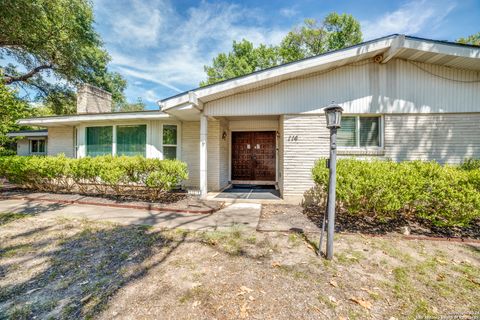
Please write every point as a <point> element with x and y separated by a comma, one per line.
<point>293,138</point>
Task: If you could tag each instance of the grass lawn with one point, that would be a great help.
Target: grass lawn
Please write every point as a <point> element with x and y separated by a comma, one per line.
<point>80,269</point>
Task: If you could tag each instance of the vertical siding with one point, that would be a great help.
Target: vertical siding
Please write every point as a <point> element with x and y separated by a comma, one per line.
<point>224,155</point>
<point>305,139</point>
<point>398,86</point>
<point>154,139</point>
<point>191,153</point>
<point>60,140</point>
<point>446,138</point>
<point>281,169</point>
<point>253,124</point>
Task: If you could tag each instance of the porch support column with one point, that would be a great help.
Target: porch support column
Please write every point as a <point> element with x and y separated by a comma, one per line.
<point>203,155</point>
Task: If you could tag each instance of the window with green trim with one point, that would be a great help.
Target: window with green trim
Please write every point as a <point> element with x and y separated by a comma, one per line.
<point>99,141</point>
<point>359,131</point>
<point>131,140</point>
<point>169,141</point>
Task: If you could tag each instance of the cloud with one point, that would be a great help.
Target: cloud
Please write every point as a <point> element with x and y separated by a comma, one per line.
<point>176,45</point>
<point>288,12</point>
<point>411,18</point>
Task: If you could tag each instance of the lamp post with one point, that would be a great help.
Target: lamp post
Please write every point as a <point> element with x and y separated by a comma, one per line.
<point>333,114</point>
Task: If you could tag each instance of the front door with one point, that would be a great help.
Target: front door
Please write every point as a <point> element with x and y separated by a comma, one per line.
<point>253,155</point>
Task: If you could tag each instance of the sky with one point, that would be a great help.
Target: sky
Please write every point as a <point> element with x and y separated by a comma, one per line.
<point>161,46</point>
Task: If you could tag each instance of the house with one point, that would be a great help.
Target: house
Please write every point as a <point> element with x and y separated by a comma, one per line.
<point>30,142</point>
<point>403,97</point>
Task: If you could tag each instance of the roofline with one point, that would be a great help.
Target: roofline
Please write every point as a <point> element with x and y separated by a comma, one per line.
<point>28,133</point>
<point>392,37</point>
<point>140,115</point>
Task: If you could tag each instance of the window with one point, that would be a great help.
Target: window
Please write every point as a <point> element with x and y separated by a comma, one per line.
<point>99,141</point>
<point>37,146</point>
<point>169,141</point>
<point>132,140</point>
<point>359,131</point>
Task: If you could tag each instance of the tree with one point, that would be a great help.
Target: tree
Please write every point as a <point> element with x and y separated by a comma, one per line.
<point>335,32</point>
<point>473,39</point>
<point>49,41</point>
<point>130,107</point>
<point>11,109</point>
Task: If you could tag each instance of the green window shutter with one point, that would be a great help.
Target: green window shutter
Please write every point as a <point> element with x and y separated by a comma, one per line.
<point>346,135</point>
<point>99,141</point>
<point>169,141</point>
<point>369,131</point>
<point>132,140</point>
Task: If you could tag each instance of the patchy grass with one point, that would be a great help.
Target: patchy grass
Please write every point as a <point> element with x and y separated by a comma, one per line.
<point>79,269</point>
<point>7,217</point>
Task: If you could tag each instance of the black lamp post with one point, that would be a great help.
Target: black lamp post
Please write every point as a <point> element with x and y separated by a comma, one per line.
<point>333,114</point>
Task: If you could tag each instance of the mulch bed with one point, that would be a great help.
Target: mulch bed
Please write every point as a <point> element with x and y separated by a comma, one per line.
<point>175,202</point>
<point>369,225</point>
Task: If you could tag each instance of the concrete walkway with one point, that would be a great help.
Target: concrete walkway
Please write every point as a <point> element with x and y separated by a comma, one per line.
<point>242,214</point>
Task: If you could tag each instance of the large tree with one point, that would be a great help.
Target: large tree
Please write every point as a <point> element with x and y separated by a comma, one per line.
<point>50,46</point>
<point>11,109</point>
<point>473,39</point>
<point>334,32</point>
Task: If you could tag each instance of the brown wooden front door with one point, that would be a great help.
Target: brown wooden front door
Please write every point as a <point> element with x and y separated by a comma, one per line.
<point>253,155</point>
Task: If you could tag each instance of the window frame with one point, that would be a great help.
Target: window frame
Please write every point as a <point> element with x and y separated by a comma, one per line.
<point>357,132</point>
<point>114,137</point>
<point>37,153</point>
<point>178,151</point>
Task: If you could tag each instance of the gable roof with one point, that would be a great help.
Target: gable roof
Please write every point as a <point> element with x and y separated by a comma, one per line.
<point>445,53</point>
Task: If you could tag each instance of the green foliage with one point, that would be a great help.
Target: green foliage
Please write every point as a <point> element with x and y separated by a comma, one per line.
<point>472,39</point>
<point>121,176</point>
<point>471,164</point>
<point>444,195</point>
<point>54,38</point>
<point>130,107</point>
<point>313,38</point>
<point>11,109</point>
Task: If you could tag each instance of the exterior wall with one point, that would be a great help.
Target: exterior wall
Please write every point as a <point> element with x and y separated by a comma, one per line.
<point>281,155</point>
<point>23,147</point>
<point>446,138</point>
<point>398,86</point>
<point>305,139</point>
<point>60,140</point>
<point>191,154</point>
<point>224,164</point>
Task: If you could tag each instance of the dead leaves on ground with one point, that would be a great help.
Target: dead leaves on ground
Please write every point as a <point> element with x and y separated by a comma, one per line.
<point>364,303</point>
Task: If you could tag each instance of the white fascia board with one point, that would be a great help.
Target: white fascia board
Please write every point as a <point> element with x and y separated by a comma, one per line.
<point>441,48</point>
<point>92,117</point>
<point>27,134</point>
<point>288,69</point>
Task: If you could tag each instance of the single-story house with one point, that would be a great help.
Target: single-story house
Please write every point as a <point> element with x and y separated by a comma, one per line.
<point>30,142</point>
<point>403,97</point>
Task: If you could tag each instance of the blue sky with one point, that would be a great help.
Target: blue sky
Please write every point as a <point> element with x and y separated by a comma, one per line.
<point>161,46</point>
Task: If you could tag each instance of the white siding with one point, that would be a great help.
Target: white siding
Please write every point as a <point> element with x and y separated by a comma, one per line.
<point>305,139</point>
<point>60,140</point>
<point>446,138</point>
<point>398,86</point>
<point>224,154</point>
<point>280,153</point>
<point>191,153</point>
<point>23,147</point>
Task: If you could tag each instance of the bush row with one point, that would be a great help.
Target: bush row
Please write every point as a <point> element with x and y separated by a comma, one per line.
<point>444,195</point>
<point>120,176</point>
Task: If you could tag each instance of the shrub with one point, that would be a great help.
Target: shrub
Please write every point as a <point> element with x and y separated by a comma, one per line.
<point>126,176</point>
<point>444,195</point>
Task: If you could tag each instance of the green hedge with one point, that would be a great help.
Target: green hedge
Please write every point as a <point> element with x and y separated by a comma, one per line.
<point>445,195</point>
<point>125,176</point>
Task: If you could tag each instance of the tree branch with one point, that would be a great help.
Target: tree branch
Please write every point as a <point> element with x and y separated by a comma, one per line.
<point>28,75</point>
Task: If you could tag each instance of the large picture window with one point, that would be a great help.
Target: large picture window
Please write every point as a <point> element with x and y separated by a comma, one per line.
<point>131,140</point>
<point>359,131</point>
<point>99,141</point>
<point>169,141</point>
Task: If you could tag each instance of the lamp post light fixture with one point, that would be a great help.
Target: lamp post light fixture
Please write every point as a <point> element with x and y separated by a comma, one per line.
<point>333,113</point>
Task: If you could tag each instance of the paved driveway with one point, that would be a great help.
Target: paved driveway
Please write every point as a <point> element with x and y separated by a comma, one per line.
<point>243,214</point>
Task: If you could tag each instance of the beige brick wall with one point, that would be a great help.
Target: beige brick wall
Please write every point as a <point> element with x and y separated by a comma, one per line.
<point>23,147</point>
<point>91,99</point>
<point>60,140</point>
<point>446,138</point>
<point>305,139</point>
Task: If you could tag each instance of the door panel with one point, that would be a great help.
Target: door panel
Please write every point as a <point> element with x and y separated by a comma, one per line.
<point>253,155</point>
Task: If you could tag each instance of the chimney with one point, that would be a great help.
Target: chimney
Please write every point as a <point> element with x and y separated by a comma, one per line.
<point>91,99</point>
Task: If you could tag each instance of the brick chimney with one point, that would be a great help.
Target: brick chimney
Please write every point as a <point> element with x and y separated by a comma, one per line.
<point>91,99</point>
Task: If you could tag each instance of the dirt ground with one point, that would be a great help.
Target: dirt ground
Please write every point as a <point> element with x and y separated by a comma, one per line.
<point>78,269</point>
